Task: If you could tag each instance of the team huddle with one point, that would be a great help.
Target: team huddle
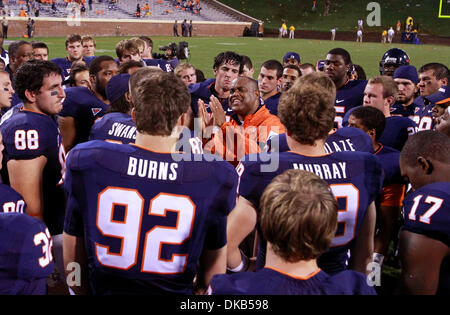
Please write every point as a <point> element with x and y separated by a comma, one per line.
<point>135,175</point>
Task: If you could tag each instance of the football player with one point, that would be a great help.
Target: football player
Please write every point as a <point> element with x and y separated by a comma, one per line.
<point>151,219</point>
<point>186,72</point>
<point>290,74</point>
<point>25,254</point>
<point>291,204</point>
<point>433,76</point>
<point>116,125</point>
<point>89,45</point>
<point>438,102</point>
<point>291,58</point>
<point>350,93</point>
<point>34,155</point>
<point>406,78</point>
<point>6,92</point>
<point>247,67</point>
<point>392,59</point>
<point>381,92</point>
<point>443,122</point>
<point>341,139</point>
<point>424,246</point>
<point>372,120</point>
<point>227,66</point>
<point>74,51</point>
<point>269,80</point>
<point>307,112</point>
<point>19,52</point>
<point>83,106</point>
<point>40,50</point>
<point>10,200</point>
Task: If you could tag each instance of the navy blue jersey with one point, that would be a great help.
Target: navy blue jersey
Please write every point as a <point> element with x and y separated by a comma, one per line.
<point>409,111</point>
<point>424,118</point>
<point>427,212</point>
<point>203,91</point>
<point>160,63</point>
<point>272,103</point>
<point>397,131</point>
<point>118,127</point>
<point>84,107</point>
<point>25,255</point>
<point>342,139</point>
<point>355,179</point>
<point>28,135</point>
<point>11,200</point>
<point>145,216</point>
<point>65,65</point>
<point>11,111</point>
<point>269,281</point>
<point>89,59</point>
<point>349,96</point>
<point>390,160</point>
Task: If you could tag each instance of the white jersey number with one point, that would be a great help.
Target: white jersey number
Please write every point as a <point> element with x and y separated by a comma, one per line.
<point>129,230</point>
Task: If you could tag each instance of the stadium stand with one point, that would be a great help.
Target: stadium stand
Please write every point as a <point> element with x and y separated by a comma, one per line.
<point>158,10</point>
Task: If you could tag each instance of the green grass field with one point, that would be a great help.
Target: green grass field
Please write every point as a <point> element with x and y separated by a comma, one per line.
<point>204,49</point>
<point>344,14</point>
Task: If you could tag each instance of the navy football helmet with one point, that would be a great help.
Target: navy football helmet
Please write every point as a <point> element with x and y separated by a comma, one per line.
<point>392,59</point>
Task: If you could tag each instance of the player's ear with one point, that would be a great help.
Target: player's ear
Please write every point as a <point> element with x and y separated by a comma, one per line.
<point>133,114</point>
<point>425,165</point>
<point>30,95</point>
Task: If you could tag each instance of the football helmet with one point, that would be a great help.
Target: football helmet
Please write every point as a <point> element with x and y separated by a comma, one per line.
<point>392,59</point>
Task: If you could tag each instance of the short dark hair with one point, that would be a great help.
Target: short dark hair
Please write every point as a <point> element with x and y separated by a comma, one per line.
<point>273,64</point>
<point>228,57</point>
<point>371,118</point>
<point>291,66</point>
<point>77,67</point>
<point>360,71</point>
<point>13,48</point>
<point>246,61</point>
<point>95,66</point>
<point>429,144</point>
<point>440,71</point>
<point>124,67</point>
<point>343,53</point>
<point>72,38</point>
<point>30,76</point>
<point>39,45</point>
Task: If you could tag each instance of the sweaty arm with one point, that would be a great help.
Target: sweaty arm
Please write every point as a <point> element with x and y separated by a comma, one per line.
<point>74,253</point>
<point>421,259</point>
<point>212,262</point>
<point>25,177</point>
<point>362,251</point>
<point>241,222</point>
<point>68,131</point>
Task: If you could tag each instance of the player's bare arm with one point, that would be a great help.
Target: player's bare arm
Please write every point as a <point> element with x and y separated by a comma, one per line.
<point>212,262</point>
<point>241,222</point>
<point>68,131</point>
<point>26,178</point>
<point>362,251</point>
<point>74,252</point>
<point>421,259</point>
